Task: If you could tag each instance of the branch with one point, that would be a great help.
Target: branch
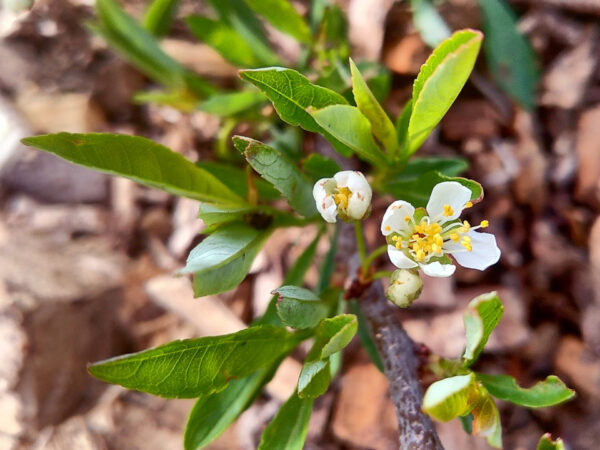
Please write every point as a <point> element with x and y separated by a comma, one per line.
<point>397,351</point>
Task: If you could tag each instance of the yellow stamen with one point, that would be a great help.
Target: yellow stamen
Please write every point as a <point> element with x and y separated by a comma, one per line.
<point>407,218</point>
<point>420,255</point>
<point>465,227</point>
<point>455,237</point>
<point>398,242</point>
<point>388,228</point>
<point>448,211</point>
<point>342,197</point>
<point>469,205</point>
<point>484,224</point>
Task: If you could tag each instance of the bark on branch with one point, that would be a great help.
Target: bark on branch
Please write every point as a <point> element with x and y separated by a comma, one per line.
<point>398,354</point>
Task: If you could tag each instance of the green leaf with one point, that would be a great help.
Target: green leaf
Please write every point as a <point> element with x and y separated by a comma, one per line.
<point>382,126</point>
<point>449,167</point>
<point>299,307</point>
<point>136,44</point>
<point>212,414</point>
<point>328,265</point>
<point>549,392</point>
<point>222,260</point>
<point>194,367</point>
<point>430,24</point>
<point>546,443</point>
<point>332,335</point>
<point>287,431</point>
<point>486,420</point>
<point>179,98</point>
<point>282,15</point>
<point>282,173</point>
<point>318,166</point>
<point>212,214</point>
<point>242,19</point>
<point>139,159</point>
<point>295,275</point>
<point>314,379</point>
<point>510,58</point>
<point>224,39</point>
<point>467,423</point>
<point>348,125</point>
<point>159,16</point>
<point>440,80</point>
<point>365,336</point>
<point>237,180</point>
<point>291,94</point>
<point>402,124</point>
<point>450,397</point>
<point>288,140</point>
<point>140,48</point>
<point>418,190</point>
<point>378,78</point>
<point>231,103</point>
<point>481,317</point>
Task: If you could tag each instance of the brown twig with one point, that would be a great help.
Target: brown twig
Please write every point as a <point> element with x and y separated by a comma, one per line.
<point>398,354</point>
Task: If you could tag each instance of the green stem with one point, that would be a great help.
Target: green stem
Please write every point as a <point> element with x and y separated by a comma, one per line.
<point>381,274</point>
<point>360,241</point>
<point>374,254</point>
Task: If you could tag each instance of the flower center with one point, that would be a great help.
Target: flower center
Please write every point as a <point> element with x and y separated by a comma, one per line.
<point>426,238</point>
<point>341,197</point>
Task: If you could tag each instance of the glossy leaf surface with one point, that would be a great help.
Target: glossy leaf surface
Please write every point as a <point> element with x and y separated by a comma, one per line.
<point>139,159</point>
<point>195,367</point>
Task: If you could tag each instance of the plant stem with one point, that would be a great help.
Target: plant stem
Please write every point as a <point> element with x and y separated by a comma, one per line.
<point>372,256</point>
<point>381,274</point>
<point>360,242</point>
<point>398,354</point>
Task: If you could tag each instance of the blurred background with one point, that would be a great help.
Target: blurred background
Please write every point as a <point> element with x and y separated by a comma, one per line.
<point>86,260</point>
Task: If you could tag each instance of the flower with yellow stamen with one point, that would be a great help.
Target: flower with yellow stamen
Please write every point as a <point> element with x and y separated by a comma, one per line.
<point>347,194</point>
<point>425,239</point>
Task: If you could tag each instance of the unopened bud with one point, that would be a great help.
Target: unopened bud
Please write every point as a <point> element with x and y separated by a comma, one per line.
<point>405,287</point>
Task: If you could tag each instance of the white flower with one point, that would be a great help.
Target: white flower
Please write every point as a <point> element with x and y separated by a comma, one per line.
<point>423,238</point>
<point>348,194</point>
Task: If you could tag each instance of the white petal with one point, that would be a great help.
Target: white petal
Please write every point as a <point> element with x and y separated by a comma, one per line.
<point>437,269</point>
<point>330,210</point>
<point>485,251</point>
<point>319,191</point>
<point>450,193</point>
<point>394,217</point>
<point>358,205</point>
<point>324,201</point>
<point>341,178</point>
<point>399,259</point>
<point>361,193</point>
<point>355,181</point>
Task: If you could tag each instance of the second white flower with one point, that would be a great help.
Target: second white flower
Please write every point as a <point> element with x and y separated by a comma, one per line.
<point>347,194</point>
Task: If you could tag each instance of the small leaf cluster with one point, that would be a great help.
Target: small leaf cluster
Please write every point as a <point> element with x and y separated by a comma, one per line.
<point>469,395</point>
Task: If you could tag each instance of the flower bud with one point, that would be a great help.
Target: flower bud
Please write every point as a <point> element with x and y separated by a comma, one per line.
<point>347,195</point>
<point>405,287</point>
